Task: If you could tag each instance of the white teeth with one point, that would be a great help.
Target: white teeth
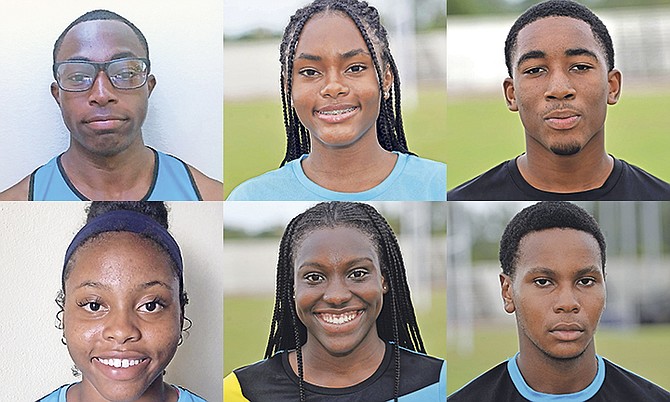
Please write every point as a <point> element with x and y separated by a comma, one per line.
<point>339,319</point>
<point>120,363</point>
<point>336,112</point>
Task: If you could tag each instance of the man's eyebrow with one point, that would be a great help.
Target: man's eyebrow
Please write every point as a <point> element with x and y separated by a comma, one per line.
<point>123,55</point>
<point>542,271</point>
<point>533,54</point>
<point>580,52</point>
<point>116,56</point>
<point>589,270</point>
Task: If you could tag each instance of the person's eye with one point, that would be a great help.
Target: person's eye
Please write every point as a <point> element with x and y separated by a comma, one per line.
<point>308,72</point>
<point>359,274</point>
<point>581,67</point>
<point>152,306</point>
<point>125,74</point>
<point>357,68</point>
<point>314,278</point>
<point>92,306</point>
<point>587,281</point>
<point>79,78</point>
<point>542,282</point>
<point>533,71</point>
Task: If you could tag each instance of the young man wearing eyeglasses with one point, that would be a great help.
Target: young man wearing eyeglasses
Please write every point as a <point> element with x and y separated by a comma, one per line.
<point>103,83</point>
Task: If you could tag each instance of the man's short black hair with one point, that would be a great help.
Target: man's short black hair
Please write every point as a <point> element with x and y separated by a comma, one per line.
<point>542,216</point>
<point>101,15</point>
<point>560,8</point>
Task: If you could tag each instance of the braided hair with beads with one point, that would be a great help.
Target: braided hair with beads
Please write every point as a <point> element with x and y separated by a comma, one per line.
<point>390,131</point>
<point>396,322</point>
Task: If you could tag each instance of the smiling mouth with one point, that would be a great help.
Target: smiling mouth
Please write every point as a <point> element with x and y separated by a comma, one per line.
<point>120,363</point>
<point>339,319</point>
<point>337,112</point>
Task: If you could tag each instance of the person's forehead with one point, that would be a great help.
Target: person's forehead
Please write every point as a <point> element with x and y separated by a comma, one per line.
<point>344,237</point>
<point>123,251</point>
<point>100,40</point>
<point>553,32</point>
<point>333,27</point>
<point>558,248</point>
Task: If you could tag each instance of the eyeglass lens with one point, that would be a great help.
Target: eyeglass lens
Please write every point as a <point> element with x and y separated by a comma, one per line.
<point>80,75</point>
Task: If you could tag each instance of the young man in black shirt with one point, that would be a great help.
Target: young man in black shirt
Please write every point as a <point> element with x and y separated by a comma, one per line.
<point>553,280</point>
<point>560,61</point>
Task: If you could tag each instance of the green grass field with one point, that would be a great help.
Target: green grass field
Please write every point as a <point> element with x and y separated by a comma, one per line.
<point>482,133</point>
<point>246,327</point>
<point>645,351</point>
<point>470,135</point>
<point>255,142</point>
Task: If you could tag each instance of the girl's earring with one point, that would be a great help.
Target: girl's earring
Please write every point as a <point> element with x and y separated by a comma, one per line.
<point>387,94</point>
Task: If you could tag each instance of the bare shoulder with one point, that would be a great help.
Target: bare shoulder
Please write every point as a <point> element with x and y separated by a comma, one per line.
<point>17,192</point>
<point>210,189</point>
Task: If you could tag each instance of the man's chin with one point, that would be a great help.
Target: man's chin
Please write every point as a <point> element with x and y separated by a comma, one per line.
<point>566,356</point>
<point>566,149</point>
<point>106,144</point>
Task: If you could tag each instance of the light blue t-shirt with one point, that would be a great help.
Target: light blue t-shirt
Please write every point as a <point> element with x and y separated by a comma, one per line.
<point>59,395</point>
<point>172,181</point>
<point>412,179</point>
<point>527,392</point>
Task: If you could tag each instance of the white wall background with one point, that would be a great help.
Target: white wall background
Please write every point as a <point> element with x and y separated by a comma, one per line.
<point>33,240</point>
<point>185,115</point>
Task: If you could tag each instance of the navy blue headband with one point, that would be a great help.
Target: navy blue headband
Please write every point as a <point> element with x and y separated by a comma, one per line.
<point>126,221</point>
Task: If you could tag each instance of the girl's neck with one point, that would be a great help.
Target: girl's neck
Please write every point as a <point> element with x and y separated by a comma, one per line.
<point>352,169</point>
<point>323,369</point>
<point>84,391</point>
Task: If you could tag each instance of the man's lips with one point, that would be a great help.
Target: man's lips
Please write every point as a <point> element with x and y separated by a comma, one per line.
<point>567,331</point>
<point>562,119</point>
<point>105,122</point>
<point>103,117</point>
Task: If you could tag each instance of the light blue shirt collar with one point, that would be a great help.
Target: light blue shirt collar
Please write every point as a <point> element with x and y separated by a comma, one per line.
<point>532,395</point>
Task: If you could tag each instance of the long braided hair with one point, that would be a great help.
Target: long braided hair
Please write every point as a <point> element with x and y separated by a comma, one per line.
<point>396,322</point>
<point>390,131</point>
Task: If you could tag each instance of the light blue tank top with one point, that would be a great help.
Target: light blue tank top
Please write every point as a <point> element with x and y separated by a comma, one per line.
<point>172,181</point>
<point>60,394</point>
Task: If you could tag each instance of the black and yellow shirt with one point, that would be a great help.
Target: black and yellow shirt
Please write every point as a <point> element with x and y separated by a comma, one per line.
<point>422,379</point>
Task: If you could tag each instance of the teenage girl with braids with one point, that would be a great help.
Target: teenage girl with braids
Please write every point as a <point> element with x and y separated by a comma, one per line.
<point>340,92</point>
<point>343,327</point>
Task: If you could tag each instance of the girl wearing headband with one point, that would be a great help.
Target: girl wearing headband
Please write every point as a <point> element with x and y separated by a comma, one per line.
<point>122,306</point>
<point>344,327</point>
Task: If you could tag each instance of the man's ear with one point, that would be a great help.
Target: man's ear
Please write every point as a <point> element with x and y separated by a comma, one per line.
<point>151,83</point>
<point>55,92</point>
<point>507,293</point>
<point>614,82</point>
<point>510,95</point>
